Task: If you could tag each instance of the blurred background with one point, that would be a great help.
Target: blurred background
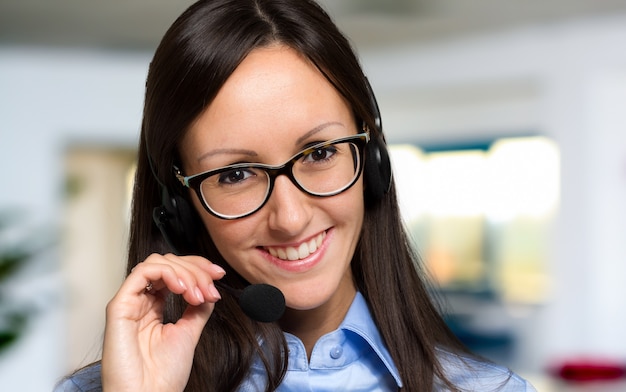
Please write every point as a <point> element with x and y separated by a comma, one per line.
<point>507,128</point>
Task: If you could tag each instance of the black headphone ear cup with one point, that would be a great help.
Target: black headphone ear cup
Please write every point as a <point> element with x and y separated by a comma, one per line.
<point>187,220</point>
<point>177,222</point>
<point>377,163</point>
<point>377,168</point>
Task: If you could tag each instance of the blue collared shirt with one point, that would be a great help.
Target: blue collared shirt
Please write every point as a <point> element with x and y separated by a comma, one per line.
<point>351,358</point>
<point>354,358</point>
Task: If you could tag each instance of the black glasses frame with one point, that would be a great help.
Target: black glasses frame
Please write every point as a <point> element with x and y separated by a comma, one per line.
<point>194,181</point>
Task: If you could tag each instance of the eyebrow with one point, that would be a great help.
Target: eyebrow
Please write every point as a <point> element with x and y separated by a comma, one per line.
<point>232,151</point>
<point>250,153</point>
<point>313,131</point>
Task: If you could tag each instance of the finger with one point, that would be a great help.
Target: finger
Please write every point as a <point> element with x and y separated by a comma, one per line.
<point>163,277</point>
<point>214,270</point>
<point>198,263</point>
<point>156,276</point>
<point>191,273</point>
<point>195,318</point>
<point>198,272</point>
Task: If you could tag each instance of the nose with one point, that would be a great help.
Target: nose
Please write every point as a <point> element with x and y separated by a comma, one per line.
<point>289,208</point>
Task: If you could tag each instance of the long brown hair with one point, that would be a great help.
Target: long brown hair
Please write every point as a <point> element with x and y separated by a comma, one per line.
<point>196,56</point>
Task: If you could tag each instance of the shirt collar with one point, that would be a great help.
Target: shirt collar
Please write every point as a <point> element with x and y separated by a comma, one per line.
<point>359,321</point>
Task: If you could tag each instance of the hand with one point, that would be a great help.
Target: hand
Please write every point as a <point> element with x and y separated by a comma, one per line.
<point>141,353</point>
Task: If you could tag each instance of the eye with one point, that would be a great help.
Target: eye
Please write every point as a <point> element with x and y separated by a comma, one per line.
<point>235,176</point>
<point>320,154</point>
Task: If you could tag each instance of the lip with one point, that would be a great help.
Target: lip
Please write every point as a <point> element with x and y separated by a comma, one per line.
<point>300,265</point>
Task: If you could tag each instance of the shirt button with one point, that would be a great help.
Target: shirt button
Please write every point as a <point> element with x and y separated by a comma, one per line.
<point>336,352</point>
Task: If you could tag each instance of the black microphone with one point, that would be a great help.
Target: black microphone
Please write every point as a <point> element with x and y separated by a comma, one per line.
<point>261,302</point>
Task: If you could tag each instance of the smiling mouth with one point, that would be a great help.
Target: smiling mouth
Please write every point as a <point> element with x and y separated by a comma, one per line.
<point>303,251</point>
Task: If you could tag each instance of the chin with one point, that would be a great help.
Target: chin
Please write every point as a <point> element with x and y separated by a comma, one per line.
<point>305,301</point>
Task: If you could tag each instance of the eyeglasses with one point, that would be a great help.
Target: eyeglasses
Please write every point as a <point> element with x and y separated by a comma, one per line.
<point>324,169</point>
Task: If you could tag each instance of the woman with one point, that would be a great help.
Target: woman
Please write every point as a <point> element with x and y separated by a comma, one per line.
<point>261,162</point>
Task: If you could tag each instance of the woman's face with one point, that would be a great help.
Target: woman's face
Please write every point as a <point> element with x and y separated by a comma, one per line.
<point>274,105</point>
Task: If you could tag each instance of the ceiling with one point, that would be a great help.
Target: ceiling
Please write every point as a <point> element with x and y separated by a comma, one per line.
<point>139,24</point>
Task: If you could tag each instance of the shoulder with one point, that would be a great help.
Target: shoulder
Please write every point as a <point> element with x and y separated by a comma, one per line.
<point>473,374</point>
<point>86,379</point>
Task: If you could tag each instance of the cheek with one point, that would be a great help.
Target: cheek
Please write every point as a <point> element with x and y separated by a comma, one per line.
<point>228,236</point>
<point>350,205</point>
<point>225,234</point>
<point>217,228</point>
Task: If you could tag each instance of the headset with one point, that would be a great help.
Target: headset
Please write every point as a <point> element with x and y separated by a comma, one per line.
<point>378,172</point>
<point>177,220</point>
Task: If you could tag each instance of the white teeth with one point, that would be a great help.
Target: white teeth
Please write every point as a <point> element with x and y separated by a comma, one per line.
<point>312,246</point>
<point>303,251</point>
<point>292,254</point>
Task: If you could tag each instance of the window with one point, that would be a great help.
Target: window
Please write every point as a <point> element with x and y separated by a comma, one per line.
<point>480,215</point>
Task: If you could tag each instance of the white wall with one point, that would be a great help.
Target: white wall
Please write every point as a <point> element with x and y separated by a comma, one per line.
<point>565,81</point>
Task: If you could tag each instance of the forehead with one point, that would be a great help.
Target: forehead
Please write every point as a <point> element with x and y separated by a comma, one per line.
<point>275,94</point>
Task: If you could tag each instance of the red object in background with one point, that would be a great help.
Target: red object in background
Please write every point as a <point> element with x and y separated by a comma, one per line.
<point>586,370</point>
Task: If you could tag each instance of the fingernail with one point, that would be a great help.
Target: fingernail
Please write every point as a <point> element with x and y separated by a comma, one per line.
<point>198,294</point>
<point>182,284</point>
<point>218,269</point>
<point>214,292</point>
